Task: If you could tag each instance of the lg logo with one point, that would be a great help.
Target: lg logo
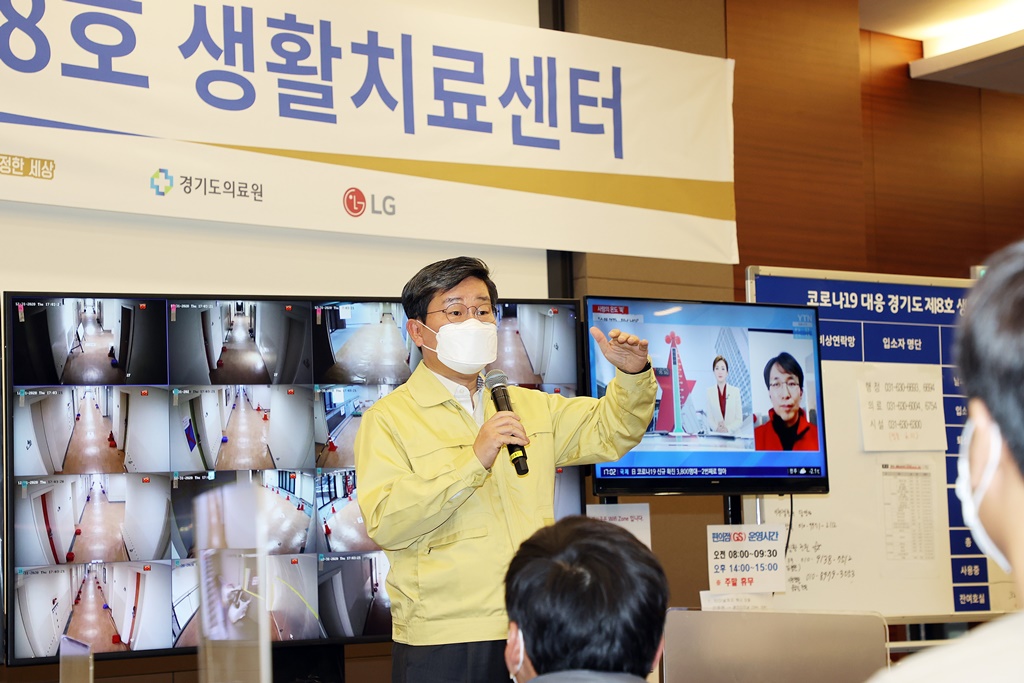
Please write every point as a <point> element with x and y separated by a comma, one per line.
<point>356,204</point>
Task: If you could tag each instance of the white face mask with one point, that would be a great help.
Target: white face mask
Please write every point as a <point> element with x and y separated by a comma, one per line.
<point>522,654</point>
<point>970,501</point>
<point>466,347</point>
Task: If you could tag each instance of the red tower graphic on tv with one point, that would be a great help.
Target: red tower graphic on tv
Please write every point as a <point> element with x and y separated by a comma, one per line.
<point>675,389</point>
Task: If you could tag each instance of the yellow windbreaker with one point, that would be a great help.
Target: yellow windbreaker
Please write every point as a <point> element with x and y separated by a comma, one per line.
<point>449,526</point>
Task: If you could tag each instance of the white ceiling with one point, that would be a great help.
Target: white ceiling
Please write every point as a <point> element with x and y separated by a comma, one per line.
<point>978,43</point>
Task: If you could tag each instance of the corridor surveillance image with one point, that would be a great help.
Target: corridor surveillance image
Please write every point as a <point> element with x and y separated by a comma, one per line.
<point>215,341</point>
<point>92,518</point>
<point>340,409</point>
<point>85,429</point>
<point>342,529</point>
<point>86,340</point>
<point>353,597</point>
<point>135,503</point>
<point>240,427</point>
<point>361,342</point>
<point>114,607</point>
<point>216,510</point>
<point>537,344</point>
<point>216,596</point>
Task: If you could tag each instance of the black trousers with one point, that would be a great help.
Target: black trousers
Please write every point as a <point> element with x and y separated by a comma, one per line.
<point>482,662</point>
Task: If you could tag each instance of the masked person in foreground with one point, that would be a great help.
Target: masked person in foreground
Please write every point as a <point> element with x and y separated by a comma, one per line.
<point>989,352</point>
<point>434,493</point>
<point>586,604</point>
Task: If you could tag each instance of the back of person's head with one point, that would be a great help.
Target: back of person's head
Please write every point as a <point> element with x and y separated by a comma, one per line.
<point>788,364</point>
<point>586,594</point>
<point>990,344</point>
<point>439,277</point>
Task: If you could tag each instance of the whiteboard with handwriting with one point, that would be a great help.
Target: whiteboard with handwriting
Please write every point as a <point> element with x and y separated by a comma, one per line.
<point>889,536</point>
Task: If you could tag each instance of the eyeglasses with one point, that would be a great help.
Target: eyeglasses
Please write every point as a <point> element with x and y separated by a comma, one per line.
<point>459,312</point>
<point>791,385</point>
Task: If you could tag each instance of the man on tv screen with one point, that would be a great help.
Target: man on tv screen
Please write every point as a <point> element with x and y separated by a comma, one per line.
<point>787,427</point>
<point>434,493</point>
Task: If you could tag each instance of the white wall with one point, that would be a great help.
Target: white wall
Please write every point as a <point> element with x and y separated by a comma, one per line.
<point>146,446</point>
<point>153,616</point>
<point>292,590</point>
<point>290,436</point>
<point>187,355</point>
<point>211,419</point>
<point>112,323</point>
<point>41,453</point>
<point>43,605</point>
<point>47,248</point>
<point>147,515</point>
<point>259,396</point>
<point>116,487</point>
<point>182,459</point>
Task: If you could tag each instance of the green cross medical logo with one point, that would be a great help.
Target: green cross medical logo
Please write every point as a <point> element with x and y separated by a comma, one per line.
<point>162,181</point>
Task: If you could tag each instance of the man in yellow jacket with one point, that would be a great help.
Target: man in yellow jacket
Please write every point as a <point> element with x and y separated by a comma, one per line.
<point>434,494</point>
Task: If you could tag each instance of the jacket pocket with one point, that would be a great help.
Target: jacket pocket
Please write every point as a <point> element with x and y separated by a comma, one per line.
<point>455,537</point>
<point>459,573</point>
<point>437,458</point>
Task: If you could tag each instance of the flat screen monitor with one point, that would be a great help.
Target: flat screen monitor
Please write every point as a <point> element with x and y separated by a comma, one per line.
<point>143,430</point>
<point>739,405</point>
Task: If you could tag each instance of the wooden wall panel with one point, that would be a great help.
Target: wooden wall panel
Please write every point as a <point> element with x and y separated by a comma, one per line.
<point>799,153</point>
<point>867,121</point>
<point>696,26</point>
<point>1002,150</point>
<point>925,145</point>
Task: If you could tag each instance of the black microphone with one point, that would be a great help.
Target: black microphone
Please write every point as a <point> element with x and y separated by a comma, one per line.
<point>497,382</point>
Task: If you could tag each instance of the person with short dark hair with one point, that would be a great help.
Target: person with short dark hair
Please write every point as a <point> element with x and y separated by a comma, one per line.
<point>448,512</point>
<point>586,602</point>
<point>724,405</point>
<point>787,427</point>
<point>989,352</point>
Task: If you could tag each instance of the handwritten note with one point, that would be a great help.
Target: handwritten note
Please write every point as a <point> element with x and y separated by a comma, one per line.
<point>818,555</point>
<point>735,602</point>
<point>901,407</point>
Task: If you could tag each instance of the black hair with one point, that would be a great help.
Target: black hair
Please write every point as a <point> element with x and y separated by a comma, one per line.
<point>720,358</point>
<point>989,344</point>
<point>587,595</point>
<point>439,277</point>
<point>788,364</point>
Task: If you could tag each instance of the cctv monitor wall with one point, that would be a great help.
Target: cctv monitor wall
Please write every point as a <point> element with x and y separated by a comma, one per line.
<point>134,422</point>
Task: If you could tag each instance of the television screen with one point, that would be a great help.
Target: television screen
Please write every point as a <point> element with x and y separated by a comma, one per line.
<point>739,404</point>
<point>145,433</point>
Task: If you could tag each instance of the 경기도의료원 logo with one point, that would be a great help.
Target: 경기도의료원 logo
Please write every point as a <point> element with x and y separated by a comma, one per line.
<point>162,181</point>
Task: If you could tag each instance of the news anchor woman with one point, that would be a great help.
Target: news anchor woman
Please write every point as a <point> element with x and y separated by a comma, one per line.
<point>725,407</point>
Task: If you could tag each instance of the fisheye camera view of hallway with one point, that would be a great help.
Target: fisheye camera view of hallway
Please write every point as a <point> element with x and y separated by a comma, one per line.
<point>89,341</point>
<point>242,428</point>
<point>84,429</point>
<point>239,342</point>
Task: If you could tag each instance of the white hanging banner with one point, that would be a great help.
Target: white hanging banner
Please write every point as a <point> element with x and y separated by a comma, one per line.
<point>368,118</point>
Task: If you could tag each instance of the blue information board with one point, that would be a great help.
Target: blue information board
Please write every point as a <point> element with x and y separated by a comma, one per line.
<point>889,537</point>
